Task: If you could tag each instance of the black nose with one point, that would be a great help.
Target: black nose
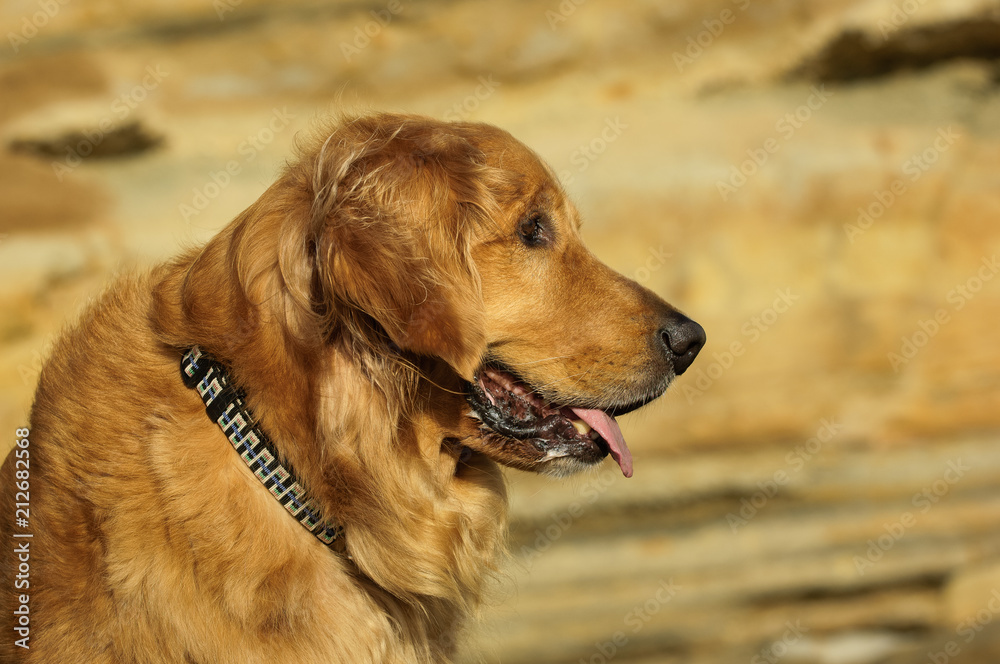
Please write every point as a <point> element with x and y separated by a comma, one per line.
<point>682,338</point>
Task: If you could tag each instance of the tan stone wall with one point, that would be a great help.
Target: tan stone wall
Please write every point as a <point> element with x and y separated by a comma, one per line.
<point>795,442</point>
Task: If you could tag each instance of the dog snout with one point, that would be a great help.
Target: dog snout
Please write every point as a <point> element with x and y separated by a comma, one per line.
<point>682,339</point>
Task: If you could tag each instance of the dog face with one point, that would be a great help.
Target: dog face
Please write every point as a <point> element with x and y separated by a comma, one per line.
<point>462,245</point>
<point>570,343</point>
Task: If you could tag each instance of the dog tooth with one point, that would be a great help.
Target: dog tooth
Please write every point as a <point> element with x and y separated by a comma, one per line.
<point>582,427</point>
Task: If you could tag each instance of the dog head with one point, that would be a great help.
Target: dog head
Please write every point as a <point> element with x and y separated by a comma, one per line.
<point>458,243</point>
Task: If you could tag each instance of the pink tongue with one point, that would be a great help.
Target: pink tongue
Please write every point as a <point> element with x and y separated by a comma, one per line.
<point>608,427</point>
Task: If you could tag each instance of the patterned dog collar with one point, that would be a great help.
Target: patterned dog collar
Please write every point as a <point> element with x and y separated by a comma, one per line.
<point>225,405</point>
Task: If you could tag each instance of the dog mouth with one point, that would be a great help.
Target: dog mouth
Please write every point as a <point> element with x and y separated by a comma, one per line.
<point>508,407</point>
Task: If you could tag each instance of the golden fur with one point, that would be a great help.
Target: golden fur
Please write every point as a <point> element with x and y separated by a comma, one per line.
<point>351,302</point>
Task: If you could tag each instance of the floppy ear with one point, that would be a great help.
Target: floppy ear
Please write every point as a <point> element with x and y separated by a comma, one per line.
<point>396,200</point>
<point>254,272</point>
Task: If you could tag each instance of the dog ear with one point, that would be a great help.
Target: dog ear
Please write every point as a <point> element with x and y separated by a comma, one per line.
<point>374,224</point>
<point>396,200</point>
<point>254,272</point>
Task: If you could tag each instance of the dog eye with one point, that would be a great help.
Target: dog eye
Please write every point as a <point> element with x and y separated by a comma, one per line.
<point>534,230</point>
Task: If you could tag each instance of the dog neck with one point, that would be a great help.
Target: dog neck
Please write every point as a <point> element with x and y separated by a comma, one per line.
<point>225,405</point>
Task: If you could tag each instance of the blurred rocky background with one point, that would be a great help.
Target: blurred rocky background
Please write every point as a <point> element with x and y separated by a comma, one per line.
<point>817,183</point>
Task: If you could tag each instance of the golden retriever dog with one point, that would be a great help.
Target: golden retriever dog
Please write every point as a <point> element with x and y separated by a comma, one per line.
<point>285,445</point>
